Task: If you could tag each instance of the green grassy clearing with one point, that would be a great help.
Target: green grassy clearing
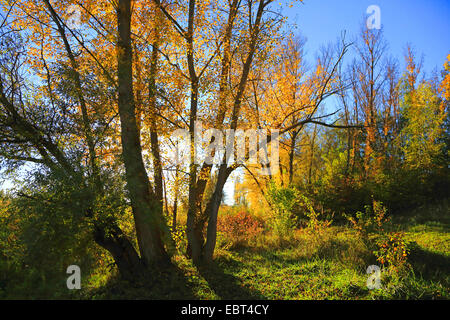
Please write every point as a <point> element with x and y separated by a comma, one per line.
<point>306,266</point>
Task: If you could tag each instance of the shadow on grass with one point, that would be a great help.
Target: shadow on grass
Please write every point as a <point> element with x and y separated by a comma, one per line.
<point>227,286</point>
<point>333,250</point>
<point>169,284</point>
<point>430,265</point>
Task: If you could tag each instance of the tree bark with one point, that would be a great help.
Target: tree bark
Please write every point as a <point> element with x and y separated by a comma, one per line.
<point>291,157</point>
<point>157,165</point>
<point>212,210</point>
<point>147,217</point>
<point>125,256</point>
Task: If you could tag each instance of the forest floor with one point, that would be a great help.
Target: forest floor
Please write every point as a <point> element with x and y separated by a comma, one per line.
<point>330,265</point>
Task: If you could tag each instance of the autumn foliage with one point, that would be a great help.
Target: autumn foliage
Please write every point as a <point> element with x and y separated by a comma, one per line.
<point>239,228</point>
<point>89,113</point>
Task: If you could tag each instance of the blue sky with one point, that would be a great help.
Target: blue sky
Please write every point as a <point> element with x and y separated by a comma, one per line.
<point>423,23</point>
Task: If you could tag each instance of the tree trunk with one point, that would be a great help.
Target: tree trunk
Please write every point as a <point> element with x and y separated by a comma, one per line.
<point>147,217</point>
<point>175,202</point>
<point>212,209</point>
<point>119,246</point>
<point>291,157</point>
<point>157,165</point>
<point>174,216</point>
<point>311,160</point>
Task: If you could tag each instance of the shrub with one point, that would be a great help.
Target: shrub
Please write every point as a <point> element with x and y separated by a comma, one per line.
<point>392,250</point>
<point>372,220</point>
<point>178,236</point>
<point>283,200</point>
<point>314,224</point>
<point>238,228</point>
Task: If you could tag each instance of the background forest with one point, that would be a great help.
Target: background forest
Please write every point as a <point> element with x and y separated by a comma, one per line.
<point>91,93</point>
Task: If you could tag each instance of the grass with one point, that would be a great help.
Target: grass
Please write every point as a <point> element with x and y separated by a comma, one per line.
<point>307,265</point>
<point>331,265</point>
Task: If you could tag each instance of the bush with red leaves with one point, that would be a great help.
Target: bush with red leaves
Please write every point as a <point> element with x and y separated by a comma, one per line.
<point>239,228</point>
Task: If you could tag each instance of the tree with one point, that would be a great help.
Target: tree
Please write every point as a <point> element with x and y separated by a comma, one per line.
<point>423,117</point>
<point>370,80</point>
<point>47,136</point>
<point>148,217</point>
